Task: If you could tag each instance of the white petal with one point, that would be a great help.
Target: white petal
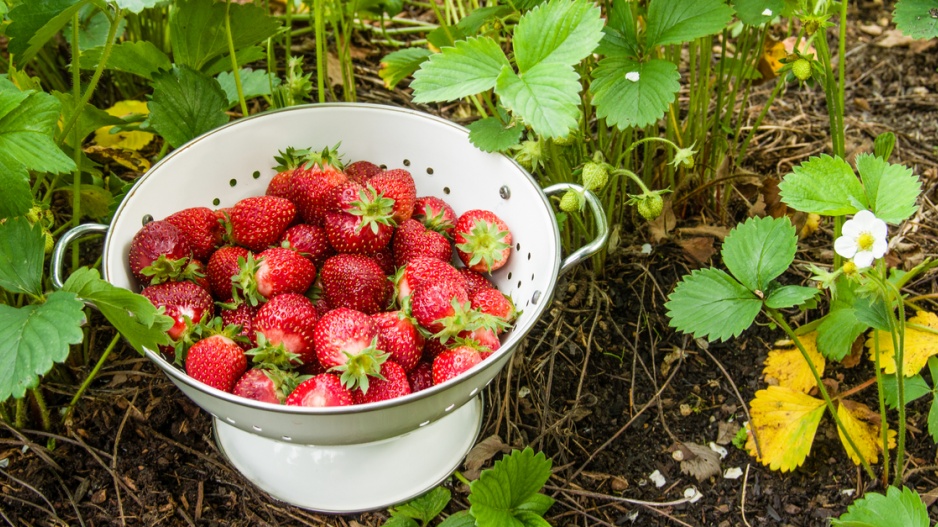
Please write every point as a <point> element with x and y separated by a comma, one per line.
<point>632,76</point>
<point>880,246</point>
<point>879,229</point>
<point>852,229</point>
<point>718,449</point>
<point>845,246</point>
<point>657,478</point>
<point>864,217</point>
<point>767,12</point>
<point>692,494</point>
<point>863,259</point>
<point>733,473</point>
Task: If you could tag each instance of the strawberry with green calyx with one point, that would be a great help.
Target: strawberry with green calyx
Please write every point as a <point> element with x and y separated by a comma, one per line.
<point>475,281</point>
<point>273,355</point>
<point>185,302</point>
<point>288,161</point>
<point>222,268</point>
<point>572,201</point>
<point>361,171</point>
<point>483,241</point>
<point>453,362</point>
<point>432,348</point>
<point>202,228</point>
<point>594,174</point>
<point>258,222</point>
<point>421,377</point>
<point>323,390</point>
<point>420,270</point>
<point>267,385</point>
<point>180,270</point>
<point>155,239</point>
<point>313,181</point>
<point>801,68</point>
<point>288,319</point>
<point>356,282</point>
<point>346,341</point>
<point>362,226</point>
<point>441,306</point>
<point>273,272</point>
<point>310,241</point>
<point>412,239</point>
<point>478,327</point>
<point>241,315</point>
<point>493,302</point>
<point>392,384</point>
<point>216,359</point>
<point>435,214</point>
<point>399,337</point>
<point>649,205</point>
<point>398,186</point>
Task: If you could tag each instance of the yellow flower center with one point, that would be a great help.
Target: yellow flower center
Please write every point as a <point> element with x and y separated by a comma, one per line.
<point>865,241</point>
<point>850,267</point>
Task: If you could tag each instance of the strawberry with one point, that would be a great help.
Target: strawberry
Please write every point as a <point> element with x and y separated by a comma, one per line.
<point>455,361</point>
<point>393,384</point>
<point>222,268</point>
<point>155,239</point>
<point>269,386</point>
<point>435,214</point>
<point>273,272</point>
<point>185,302</point>
<point>399,186</point>
<point>320,391</point>
<point>483,241</point>
<point>493,302</point>
<point>434,301</point>
<point>361,171</point>
<point>287,162</point>
<point>308,240</point>
<point>475,281</point>
<point>243,317</point>
<point>312,183</point>
<point>216,361</point>
<point>346,341</point>
<point>423,269</point>
<point>258,222</point>
<point>398,336</point>
<point>289,319</point>
<point>481,337</point>
<point>361,224</point>
<point>412,239</point>
<point>201,227</point>
<point>432,348</point>
<point>385,259</point>
<point>421,377</point>
<point>356,282</point>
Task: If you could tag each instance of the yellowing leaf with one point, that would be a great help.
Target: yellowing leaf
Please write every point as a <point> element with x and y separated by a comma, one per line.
<point>864,427</point>
<point>919,345</point>
<point>772,54</point>
<point>786,367</point>
<point>785,421</point>
<point>133,140</point>
<point>811,224</point>
<point>127,158</point>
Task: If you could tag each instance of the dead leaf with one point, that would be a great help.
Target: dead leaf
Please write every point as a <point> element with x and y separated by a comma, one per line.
<point>726,432</point>
<point>919,345</point>
<point>122,156</point>
<point>619,484</point>
<point>872,29</point>
<point>702,462</point>
<point>774,206</point>
<point>811,224</point>
<point>669,359</point>
<point>894,38</point>
<point>865,427</point>
<point>99,497</point>
<point>130,140</point>
<point>856,353</point>
<point>921,46</point>
<point>785,366</point>
<point>930,497</point>
<point>698,250</point>
<point>661,227</point>
<point>482,453</point>
<point>334,69</point>
<point>786,422</point>
<point>716,231</point>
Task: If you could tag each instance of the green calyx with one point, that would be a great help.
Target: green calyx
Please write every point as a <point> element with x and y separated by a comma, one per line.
<point>328,157</point>
<point>438,222</point>
<point>272,356</point>
<point>244,284</point>
<point>485,243</point>
<point>290,158</point>
<point>530,154</point>
<point>465,319</point>
<point>649,204</point>
<point>164,269</point>
<point>373,208</point>
<point>358,368</point>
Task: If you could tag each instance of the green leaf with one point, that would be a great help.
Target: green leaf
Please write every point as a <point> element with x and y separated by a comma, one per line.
<point>91,118</point>
<point>400,521</point>
<point>838,331</point>
<point>898,508</point>
<point>873,313</point>
<point>243,56</point>
<point>823,185</point>
<point>34,337</point>
<point>186,104</point>
<point>254,83</point>
<point>712,304</point>
<point>753,12</point>
<point>95,201</point>
<point>459,519</point>
<point>93,29</point>
<point>558,32</point>
<point>790,296</point>
<point>491,135</point>
<point>537,504</point>
<point>629,93</point>
<point>619,35</point>
<point>915,388</point>
<point>424,507</point>
<point>470,67</point>
<point>500,490</point>
<point>131,314</point>
<point>546,97</point>
<point>933,420</point>
<point>22,252</point>
<point>760,250</point>
<point>891,190</point>
<point>198,34</point>
<point>141,58</point>
<point>671,22</point>
<point>34,23</point>
<point>917,18</point>
<point>400,64</point>
<point>136,6</point>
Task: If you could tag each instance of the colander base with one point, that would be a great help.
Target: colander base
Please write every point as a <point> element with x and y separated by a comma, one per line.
<point>353,478</point>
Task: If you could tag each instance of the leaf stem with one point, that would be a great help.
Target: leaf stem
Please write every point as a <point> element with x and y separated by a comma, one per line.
<point>43,409</point>
<point>91,376</point>
<point>320,50</point>
<point>235,70</point>
<point>884,424</point>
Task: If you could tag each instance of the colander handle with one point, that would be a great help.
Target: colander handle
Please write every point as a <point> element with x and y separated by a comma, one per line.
<point>599,217</point>
<point>58,252</point>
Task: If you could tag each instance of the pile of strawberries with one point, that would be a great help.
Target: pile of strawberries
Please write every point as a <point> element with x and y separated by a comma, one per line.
<point>336,287</point>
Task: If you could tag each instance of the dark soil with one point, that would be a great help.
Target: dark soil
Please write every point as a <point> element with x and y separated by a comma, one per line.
<point>594,386</point>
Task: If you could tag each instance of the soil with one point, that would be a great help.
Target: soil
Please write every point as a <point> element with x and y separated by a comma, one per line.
<point>602,385</point>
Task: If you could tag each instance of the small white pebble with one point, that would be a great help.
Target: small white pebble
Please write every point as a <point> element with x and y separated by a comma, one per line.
<point>523,392</point>
<point>5,462</point>
<point>733,473</point>
<point>767,12</point>
<point>718,449</point>
<point>657,478</point>
<point>848,492</point>
<point>646,248</point>
<point>692,494</point>
<point>632,76</point>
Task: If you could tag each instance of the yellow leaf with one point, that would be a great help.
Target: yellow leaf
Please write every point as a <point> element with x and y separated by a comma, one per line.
<point>786,367</point>
<point>811,224</point>
<point>864,427</point>
<point>785,421</point>
<point>919,345</point>
<point>134,140</point>
<point>124,157</point>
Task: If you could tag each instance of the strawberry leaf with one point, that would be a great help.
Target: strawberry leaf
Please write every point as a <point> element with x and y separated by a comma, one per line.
<point>915,388</point>
<point>34,337</point>
<point>557,31</point>
<point>760,250</point>
<point>254,83</point>
<point>823,185</point>
<point>400,64</point>
<point>467,68</point>
<point>22,251</point>
<point>423,508</point>
<point>891,190</point>
<point>672,22</point>
<point>140,58</point>
<point>629,93</point>
<point>898,508</point>
<point>34,23</point>
<point>547,97</point>
<point>933,420</point>
<point>459,519</point>
<point>917,18</point>
<point>198,30</point>
<point>620,38</point>
<point>186,104</point>
<point>837,332</point>
<point>712,304</point>
<point>508,493</point>
<point>136,6</point>
<point>491,135</point>
<point>758,12</point>
<point>790,296</point>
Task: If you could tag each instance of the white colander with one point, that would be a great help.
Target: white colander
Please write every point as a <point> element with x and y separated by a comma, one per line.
<point>369,456</point>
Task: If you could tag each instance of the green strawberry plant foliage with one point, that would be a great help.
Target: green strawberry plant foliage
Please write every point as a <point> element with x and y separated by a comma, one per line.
<point>758,12</point>
<point>916,387</point>
<point>898,508</point>
<point>141,58</point>
<point>917,18</point>
<point>21,257</point>
<point>254,83</point>
<point>198,30</point>
<point>185,104</point>
<point>34,23</point>
<point>420,510</point>
<point>398,65</point>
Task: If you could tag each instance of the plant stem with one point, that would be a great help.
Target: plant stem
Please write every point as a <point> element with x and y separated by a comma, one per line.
<point>898,336</point>
<point>19,420</point>
<point>76,152</point>
<point>320,51</point>
<point>91,376</point>
<point>883,424</point>
<point>235,70</point>
<point>43,409</point>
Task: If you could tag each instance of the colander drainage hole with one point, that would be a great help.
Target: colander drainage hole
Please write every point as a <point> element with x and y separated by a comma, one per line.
<point>450,407</point>
<point>517,246</point>
<point>256,174</point>
<point>216,202</point>
<point>425,423</point>
<point>429,171</point>
<point>519,284</point>
<point>446,190</point>
<point>509,276</point>
<point>406,162</point>
<point>257,428</point>
<point>529,256</point>
<point>147,218</point>
<point>233,182</point>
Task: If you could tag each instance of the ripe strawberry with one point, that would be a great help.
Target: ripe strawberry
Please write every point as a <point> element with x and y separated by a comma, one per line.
<point>265,385</point>
<point>346,341</point>
<point>455,361</point>
<point>222,268</point>
<point>361,171</point>
<point>435,214</point>
<point>421,377</point>
<point>432,348</point>
<point>385,259</point>
<point>243,317</point>
<point>475,281</point>
<point>201,227</point>
<point>445,299</point>
<point>398,336</point>
<point>320,391</point>
<point>423,269</point>
<point>155,239</point>
<point>393,384</point>
<point>289,319</point>
<point>397,185</point>
<point>493,302</point>
<point>483,241</point>
<point>216,361</point>
<point>356,282</point>
<point>361,224</point>
<point>308,240</point>
<point>312,182</point>
<point>412,239</point>
<point>258,222</point>
<point>181,301</point>
<point>274,272</point>
<point>287,162</point>
<point>481,337</point>
<point>182,270</point>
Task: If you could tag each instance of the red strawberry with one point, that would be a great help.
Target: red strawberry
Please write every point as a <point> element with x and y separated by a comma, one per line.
<point>287,162</point>
<point>155,239</point>
<point>412,239</point>
<point>181,301</point>
<point>482,337</point>
<point>475,281</point>
<point>356,282</point>
<point>493,302</point>
<point>269,386</point>
<point>201,227</point>
<point>397,185</point>
<point>399,337</point>
<point>242,316</point>
<point>274,272</point>
<point>222,268</point>
<point>322,390</point>
<point>432,348</point>
<point>258,222</point>
<point>361,224</point>
<point>310,241</point>
<point>435,301</point>
<point>435,214</point>
<point>455,361</point>
<point>385,259</point>
<point>361,171</point>
<point>483,241</point>
<point>182,270</point>
<point>423,269</point>
<point>393,384</point>
<point>216,361</point>
<point>312,183</point>
<point>289,319</point>
<point>346,340</point>
<point>421,377</point>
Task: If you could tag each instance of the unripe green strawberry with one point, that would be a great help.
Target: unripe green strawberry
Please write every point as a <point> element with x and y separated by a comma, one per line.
<point>567,140</point>
<point>650,206</point>
<point>571,201</point>
<point>802,69</point>
<point>595,175</point>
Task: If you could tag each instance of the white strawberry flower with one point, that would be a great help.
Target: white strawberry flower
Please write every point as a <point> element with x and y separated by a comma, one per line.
<point>863,239</point>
